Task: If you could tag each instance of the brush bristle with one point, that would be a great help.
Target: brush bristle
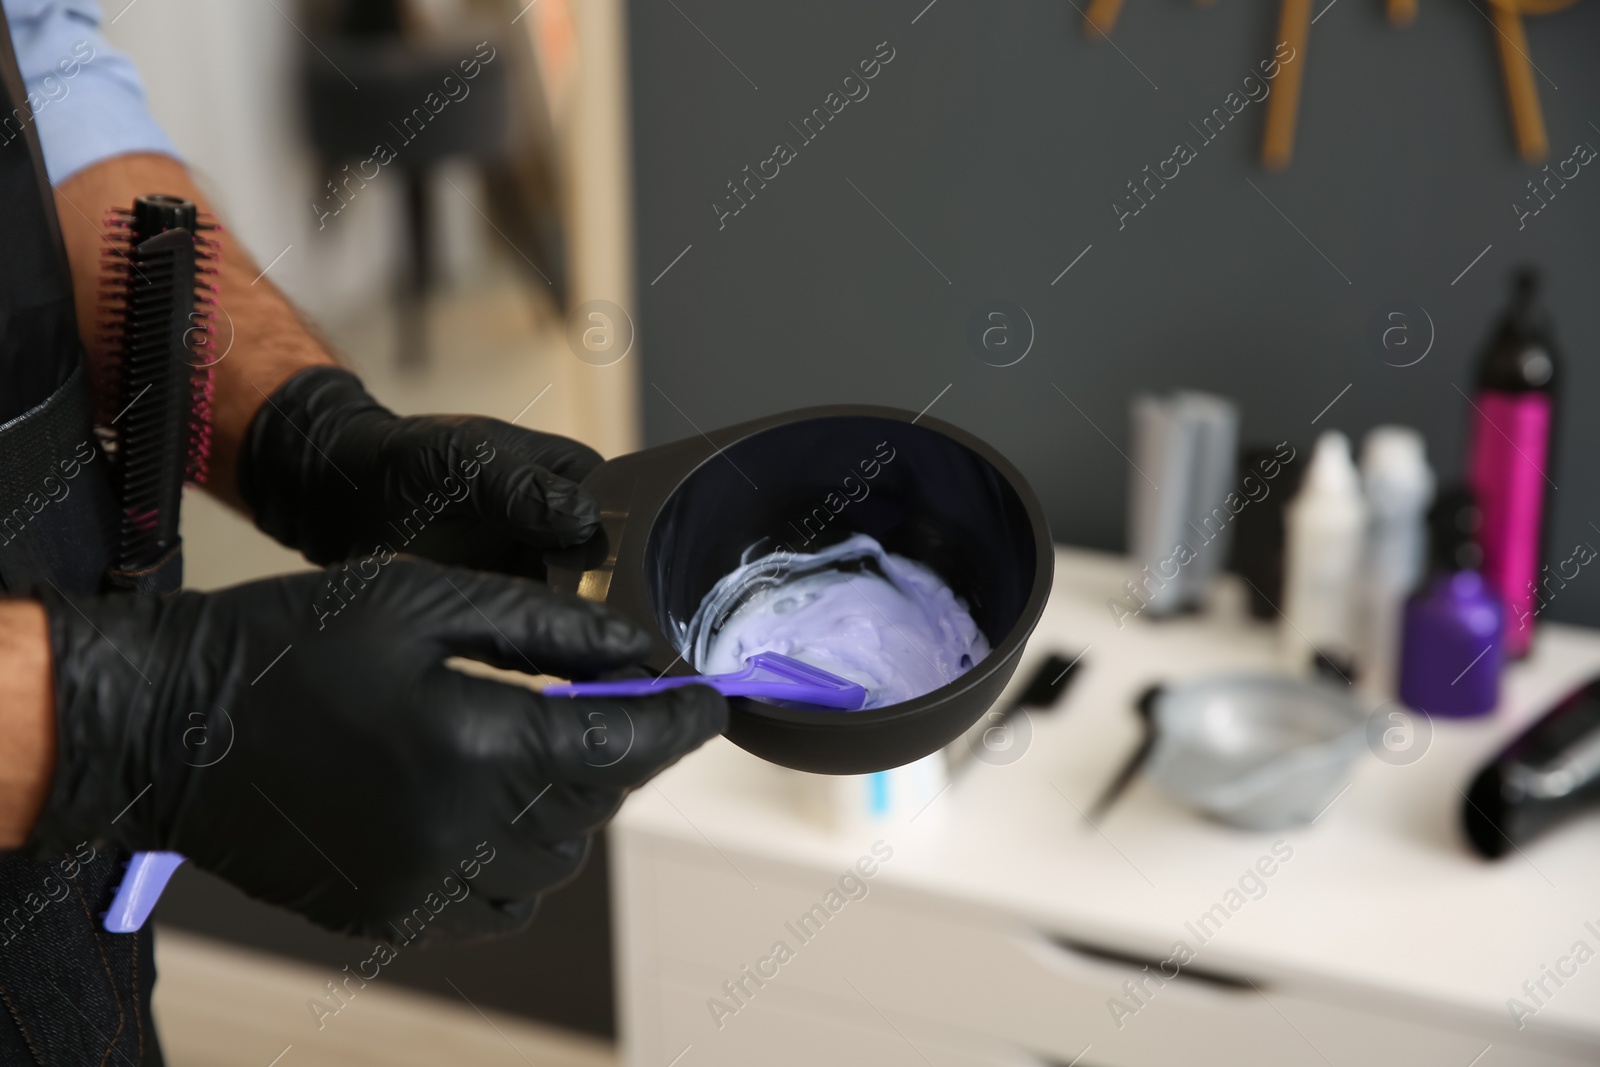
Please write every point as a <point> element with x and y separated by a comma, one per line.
<point>111,322</point>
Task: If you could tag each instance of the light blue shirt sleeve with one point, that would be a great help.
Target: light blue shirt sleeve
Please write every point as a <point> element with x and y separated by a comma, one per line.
<point>87,100</point>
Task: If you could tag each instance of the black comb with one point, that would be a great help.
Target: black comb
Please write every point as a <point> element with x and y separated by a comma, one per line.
<point>1048,682</point>
<point>1042,692</point>
<point>160,385</point>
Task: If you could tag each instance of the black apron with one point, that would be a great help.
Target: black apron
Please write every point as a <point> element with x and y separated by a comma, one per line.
<point>73,993</point>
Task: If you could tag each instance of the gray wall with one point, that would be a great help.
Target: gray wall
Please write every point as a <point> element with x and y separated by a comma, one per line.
<point>995,141</point>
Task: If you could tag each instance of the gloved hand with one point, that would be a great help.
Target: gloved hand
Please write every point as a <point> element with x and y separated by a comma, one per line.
<point>329,471</point>
<point>342,770</point>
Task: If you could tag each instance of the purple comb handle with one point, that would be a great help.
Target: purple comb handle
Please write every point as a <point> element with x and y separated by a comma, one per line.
<point>766,674</point>
<point>140,889</point>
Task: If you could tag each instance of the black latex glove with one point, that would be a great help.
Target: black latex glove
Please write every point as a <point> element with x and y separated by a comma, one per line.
<point>329,471</point>
<point>344,772</point>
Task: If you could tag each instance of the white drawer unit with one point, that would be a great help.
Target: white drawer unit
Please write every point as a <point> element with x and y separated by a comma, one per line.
<point>961,987</point>
<point>1009,934</point>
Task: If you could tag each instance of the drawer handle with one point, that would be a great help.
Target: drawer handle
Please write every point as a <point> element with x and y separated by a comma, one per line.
<point>1219,979</point>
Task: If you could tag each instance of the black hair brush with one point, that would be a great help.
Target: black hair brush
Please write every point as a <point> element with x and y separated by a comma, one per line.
<point>155,393</point>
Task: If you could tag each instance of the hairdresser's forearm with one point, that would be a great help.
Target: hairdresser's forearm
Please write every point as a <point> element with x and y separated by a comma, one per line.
<point>27,718</point>
<point>269,341</point>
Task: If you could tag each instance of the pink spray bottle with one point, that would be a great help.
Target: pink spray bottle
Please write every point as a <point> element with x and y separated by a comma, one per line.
<point>1513,413</point>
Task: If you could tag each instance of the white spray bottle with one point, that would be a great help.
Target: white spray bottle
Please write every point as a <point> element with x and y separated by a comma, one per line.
<point>1325,530</point>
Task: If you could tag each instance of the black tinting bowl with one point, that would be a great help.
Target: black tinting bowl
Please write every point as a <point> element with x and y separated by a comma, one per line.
<point>679,517</point>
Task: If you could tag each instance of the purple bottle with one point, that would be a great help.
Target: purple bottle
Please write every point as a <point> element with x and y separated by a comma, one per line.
<point>1451,645</point>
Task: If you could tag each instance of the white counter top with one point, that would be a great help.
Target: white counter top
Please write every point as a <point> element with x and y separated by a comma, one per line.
<point>1381,895</point>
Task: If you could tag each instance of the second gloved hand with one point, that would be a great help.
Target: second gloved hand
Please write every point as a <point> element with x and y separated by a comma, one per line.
<point>329,471</point>
<point>341,769</point>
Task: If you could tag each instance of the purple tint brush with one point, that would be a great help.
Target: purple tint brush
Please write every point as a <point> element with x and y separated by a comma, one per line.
<point>769,675</point>
<point>766,674</point>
